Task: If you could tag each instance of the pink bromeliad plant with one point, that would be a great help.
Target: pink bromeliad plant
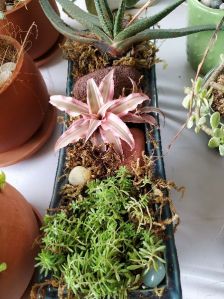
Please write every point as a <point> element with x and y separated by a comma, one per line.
<point>102,118</point>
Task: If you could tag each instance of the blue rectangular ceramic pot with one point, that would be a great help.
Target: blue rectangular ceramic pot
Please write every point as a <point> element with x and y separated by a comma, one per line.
<point>171,283</point>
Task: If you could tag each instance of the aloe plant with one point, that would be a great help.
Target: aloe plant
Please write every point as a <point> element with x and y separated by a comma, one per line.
<point>102,118</point>
<point>108,32</point>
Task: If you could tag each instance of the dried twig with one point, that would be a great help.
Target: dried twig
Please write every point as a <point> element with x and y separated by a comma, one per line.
<point>145,6</point>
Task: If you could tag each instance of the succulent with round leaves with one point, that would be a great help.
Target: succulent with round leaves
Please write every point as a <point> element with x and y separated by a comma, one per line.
<point>202,116</point>
<point>108,33</point>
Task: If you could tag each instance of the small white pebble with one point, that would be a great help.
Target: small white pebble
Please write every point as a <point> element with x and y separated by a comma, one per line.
<point>4,76</point>
<point>8,66</point>
<point>221,6</point>
<point>79,175</point>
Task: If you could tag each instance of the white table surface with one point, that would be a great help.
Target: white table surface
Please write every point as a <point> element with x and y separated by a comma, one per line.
<point>200,236</point>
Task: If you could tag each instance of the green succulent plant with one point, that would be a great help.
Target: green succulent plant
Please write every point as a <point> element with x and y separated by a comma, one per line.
<point>92,9</point>
<point>108,32</point>
<point>199,101</point>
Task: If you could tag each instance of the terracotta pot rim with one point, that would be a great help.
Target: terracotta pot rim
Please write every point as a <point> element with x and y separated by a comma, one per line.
<point>17,7</point>
<point>206,9</point>
<point>19,62</point>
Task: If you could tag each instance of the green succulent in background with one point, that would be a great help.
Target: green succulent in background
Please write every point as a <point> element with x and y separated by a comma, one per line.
<point>203,117</point>
<point>107,31</point>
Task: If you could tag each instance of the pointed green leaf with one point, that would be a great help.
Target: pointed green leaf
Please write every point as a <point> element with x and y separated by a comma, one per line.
<point>60,26</point>
<point>2,180</point>
<point>105,16</point>
<point>215,120</point>
<point>77,13</point>
<point>131,3</point>
<point>83,18</point>
<point>146,23</point>
<point>119,18</point>
<point>221,150</point>
<point>153,34</point>
<point>214,142</point>
<point>90,5</point>
<point>198,85</point>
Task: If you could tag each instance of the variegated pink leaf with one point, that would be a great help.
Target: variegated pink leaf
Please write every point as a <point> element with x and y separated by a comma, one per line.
<point>93,126</point>
<point>97,140</point>
<point>70,105</point>
<point>76,131</point>
<point>107,87</point>
<point>106,107</point>
<point>117,127</point>
<point>109,137</point>
<point>94,97</point>
<point>128,103</point>
<point>138,119</point>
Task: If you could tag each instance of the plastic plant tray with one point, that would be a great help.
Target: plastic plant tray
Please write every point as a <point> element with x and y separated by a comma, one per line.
<point>171,283</point>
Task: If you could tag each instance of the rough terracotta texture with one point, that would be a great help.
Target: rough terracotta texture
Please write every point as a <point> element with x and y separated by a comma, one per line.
<point>121,80</point>
<point>22,16</point>
<point>132,155</point>
<point>24,102</point>
<point>18,231</point>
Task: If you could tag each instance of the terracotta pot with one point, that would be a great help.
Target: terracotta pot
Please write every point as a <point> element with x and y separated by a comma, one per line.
<point>18,232</point>
<point>22,17</point>
<point>24,102</point>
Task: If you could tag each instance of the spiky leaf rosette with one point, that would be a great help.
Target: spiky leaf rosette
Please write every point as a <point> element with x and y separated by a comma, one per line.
<point>107,32</point>
<point>103,119</point>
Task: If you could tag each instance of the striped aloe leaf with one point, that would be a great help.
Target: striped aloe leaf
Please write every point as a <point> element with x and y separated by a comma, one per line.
<point>109,36</point>
<point>146,23</point>
<point>105,16</point>
<point>153,34</point>
<point>119,18</point>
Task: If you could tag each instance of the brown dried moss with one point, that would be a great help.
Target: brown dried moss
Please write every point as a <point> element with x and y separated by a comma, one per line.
<point>87,58</point>
<point>7,52</point>
<point>101,162</point>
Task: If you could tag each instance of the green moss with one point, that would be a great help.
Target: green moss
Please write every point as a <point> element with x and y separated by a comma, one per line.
<point>101,244</point>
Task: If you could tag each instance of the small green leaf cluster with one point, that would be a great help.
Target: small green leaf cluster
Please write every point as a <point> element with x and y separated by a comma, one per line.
<point>2,180</point>
<point>203,117</point>
<point>100,246</point>
<point>3,267</point>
